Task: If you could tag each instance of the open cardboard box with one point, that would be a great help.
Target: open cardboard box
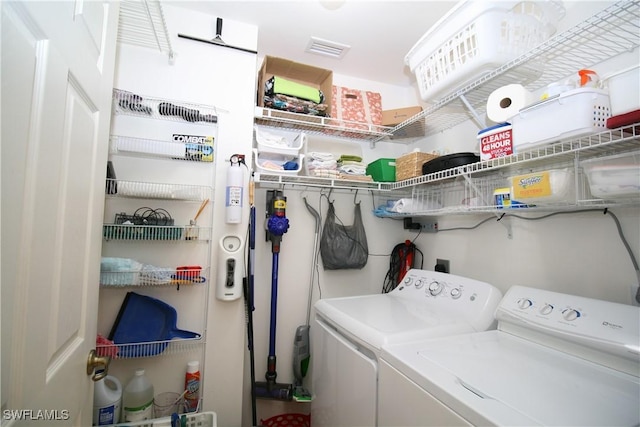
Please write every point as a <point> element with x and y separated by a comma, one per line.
<point>315,77</point>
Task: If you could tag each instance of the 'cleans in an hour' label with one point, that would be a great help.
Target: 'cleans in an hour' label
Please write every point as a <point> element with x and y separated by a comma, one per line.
<point>533,185</point>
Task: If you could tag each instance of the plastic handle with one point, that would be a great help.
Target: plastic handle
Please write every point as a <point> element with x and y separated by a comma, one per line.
<point>218,27</point>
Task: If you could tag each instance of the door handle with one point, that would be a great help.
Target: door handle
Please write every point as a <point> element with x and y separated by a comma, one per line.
<point>97,366</point>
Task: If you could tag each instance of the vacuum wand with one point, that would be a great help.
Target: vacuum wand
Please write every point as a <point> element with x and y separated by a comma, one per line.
<point>277,225</point>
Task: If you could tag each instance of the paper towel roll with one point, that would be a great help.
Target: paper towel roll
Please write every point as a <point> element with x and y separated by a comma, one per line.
<point>506,101</point>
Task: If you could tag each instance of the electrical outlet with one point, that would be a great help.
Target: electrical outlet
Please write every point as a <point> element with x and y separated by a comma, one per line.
<point>442,265</point>
<point>429,227</point>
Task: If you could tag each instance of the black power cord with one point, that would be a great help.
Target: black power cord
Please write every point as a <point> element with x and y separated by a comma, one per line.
<point>397,260</point>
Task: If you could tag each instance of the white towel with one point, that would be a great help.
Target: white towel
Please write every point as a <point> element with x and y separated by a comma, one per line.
<point>411,206</point>
<point>316,155</point>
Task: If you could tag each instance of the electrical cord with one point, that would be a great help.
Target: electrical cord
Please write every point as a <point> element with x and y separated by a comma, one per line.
<point>606,211</point>
<point>396,261</point>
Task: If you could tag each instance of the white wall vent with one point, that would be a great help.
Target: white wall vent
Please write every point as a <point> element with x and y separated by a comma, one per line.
<point>327,48</point>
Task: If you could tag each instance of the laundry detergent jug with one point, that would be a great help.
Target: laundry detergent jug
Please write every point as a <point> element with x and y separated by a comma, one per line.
<point>107,399</point>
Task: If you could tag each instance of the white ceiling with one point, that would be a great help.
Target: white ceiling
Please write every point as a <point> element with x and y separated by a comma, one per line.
<point>379,32</point>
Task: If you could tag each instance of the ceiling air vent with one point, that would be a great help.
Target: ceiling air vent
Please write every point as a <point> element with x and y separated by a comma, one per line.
<point>327,48</point>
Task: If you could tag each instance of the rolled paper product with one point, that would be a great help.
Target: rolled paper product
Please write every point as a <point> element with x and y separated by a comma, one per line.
<point>505,102</point>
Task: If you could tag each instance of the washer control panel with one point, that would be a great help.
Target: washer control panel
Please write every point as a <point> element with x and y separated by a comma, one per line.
<point>595,323</point>
<point>446,288</point>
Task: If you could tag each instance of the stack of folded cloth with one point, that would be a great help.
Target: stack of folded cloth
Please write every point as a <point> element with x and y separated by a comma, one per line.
<point>282,94</point>
<point>322,165</point>
<point>351,167</point>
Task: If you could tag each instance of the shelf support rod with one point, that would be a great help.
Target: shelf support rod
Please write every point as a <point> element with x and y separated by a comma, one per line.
<point>481,124</point>
<point>480,195</point>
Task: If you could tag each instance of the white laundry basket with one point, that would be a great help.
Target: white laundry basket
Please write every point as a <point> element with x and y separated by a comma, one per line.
<point>476,37</point>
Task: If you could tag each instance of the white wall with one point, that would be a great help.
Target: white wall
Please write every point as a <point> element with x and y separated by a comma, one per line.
<point>224,78</point>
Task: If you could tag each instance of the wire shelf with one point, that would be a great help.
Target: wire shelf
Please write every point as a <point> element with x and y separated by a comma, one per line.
<point>622,139</point>
<point>149,349</point>
<point>316,182</point>
<point>320,125</point>
<point>153,276</point>
<point>200,150</point>
<point>129,103</point>
<point>469,188</point>
<point>155,190</point>
<point>142,23</point>
<point>609,33</point>
<point>156,232</point>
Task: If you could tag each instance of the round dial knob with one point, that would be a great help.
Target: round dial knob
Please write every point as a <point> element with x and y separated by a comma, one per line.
<point>407,280</point>
<point>548,308</point>
<point>455,293</point>
<point>570,314</point>
<point>435,288</point>
<point>525,303</point>
<point>419,284</point>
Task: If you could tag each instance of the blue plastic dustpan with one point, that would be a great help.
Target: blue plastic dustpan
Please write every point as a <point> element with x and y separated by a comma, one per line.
<point>143,319</point>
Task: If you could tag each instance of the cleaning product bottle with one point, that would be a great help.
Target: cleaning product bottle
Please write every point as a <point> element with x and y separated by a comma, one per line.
<point>137,399</point>
<point>192,386</point>
<point>107,398</point>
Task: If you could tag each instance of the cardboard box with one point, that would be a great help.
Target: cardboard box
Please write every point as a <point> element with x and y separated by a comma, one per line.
<point>393,118</point>
<point>356,106</point>
<point>315,77</point>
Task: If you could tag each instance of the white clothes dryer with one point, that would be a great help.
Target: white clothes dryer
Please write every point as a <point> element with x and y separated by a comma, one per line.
<point>554,360</point>
<point>348,334</point>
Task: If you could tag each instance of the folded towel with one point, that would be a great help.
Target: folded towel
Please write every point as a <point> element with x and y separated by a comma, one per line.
<point>350,177</point>
<point>325,173</point>
<point>316,155</point>
<point>350,157</point>
<point>353,169</point>
<point>413,206</point>
<point>322,164</point>
<point>279,85</point>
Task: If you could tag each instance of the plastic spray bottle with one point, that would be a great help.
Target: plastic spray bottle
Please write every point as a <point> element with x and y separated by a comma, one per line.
<point>137,399</point>
<point>192,386</point>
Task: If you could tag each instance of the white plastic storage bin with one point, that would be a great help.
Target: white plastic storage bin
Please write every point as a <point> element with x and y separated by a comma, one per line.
<point>279,142</point>
<point>624,90</point>
<point>548,186</point>
<point>476,37</point>
<point>573,113</point>
<point>614,177</point>
<point>273,163</point>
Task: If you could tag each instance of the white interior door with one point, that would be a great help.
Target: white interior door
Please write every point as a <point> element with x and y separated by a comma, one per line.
<point>57,74</point>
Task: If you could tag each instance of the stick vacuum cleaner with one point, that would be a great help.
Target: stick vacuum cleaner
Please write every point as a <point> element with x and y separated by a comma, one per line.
<point>277,225</point>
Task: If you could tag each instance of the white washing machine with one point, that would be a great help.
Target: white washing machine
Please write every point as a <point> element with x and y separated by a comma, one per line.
<point>348,333</point>
<point>554,360</point>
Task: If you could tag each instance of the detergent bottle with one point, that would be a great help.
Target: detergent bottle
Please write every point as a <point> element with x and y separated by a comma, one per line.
<point>107,398</point>
<point>137,399</point>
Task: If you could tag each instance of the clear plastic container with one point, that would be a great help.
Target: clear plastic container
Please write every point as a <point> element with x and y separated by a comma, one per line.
<point>614,177</point>
<point>137,398</point>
